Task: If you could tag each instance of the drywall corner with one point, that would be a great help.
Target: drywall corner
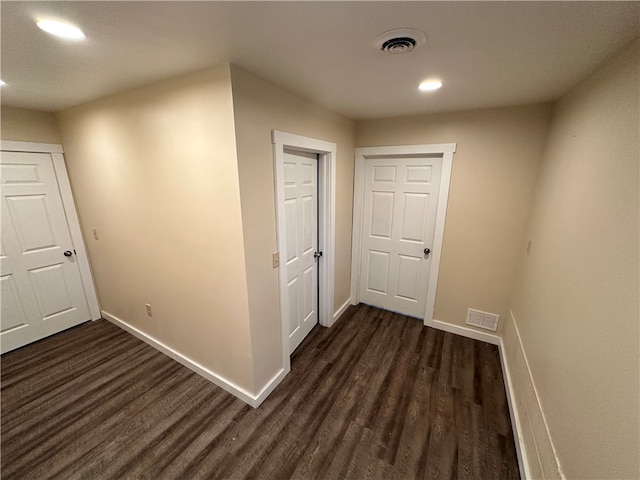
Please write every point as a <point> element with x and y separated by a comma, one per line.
<point>154,171</point>
<point>259,108</point>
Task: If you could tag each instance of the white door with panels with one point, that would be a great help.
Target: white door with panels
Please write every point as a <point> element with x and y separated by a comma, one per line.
<point>42,288</point>
<point>398,231</point>
<point>301,232</point>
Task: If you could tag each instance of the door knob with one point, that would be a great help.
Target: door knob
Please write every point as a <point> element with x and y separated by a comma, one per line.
<point>427,251</point>
<point>68,253</point>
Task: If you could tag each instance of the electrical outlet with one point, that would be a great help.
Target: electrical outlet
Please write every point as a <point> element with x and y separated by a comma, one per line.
<point>148,307</point>
<point>275,257</point>
<point>95,234</point>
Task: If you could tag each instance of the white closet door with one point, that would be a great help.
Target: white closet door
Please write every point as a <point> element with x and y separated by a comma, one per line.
<point>400,205</point>
<point>301,219</point>
<point>42,291</point>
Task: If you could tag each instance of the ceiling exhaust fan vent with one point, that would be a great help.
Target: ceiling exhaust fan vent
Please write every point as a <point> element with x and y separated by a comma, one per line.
<point>401,40</point>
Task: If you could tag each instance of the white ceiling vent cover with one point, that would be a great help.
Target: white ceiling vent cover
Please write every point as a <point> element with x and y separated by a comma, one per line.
<point>401,40</point>
<point>486,320</point>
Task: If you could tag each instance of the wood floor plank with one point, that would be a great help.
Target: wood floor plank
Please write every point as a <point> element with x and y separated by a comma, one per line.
<point>90,445</point>
<point>443,449</point>
<point>464,434</point>
<point>40,444</point>
<point>246,444</point>
<point>76,337</point>
<point>127,453</point>
<point>175,461</point>
<point>29,381</point>
<point>377,396</point>
<point>395,400</point>
<point>412,450</point>
<point>308,414</point>
<point>52,401</point>
<point>357,457</point>
<point>318,453</point>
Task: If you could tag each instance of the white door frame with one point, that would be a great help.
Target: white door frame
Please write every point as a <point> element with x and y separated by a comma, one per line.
<point>326,221</point>
<point>446,150</point>
<point>70,212</point>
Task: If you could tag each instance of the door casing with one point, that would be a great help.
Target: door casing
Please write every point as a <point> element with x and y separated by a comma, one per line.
<point>326,152</point>
<point>68,204</point>
<point>446,150</point>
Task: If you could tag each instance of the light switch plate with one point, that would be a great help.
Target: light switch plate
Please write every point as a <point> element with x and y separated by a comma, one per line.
<point>275,257</point>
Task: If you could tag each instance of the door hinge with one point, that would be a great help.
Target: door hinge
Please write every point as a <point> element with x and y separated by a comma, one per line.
<point>317,254</point>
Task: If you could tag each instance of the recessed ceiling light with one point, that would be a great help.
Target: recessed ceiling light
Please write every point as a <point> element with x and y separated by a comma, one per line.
<point>61,29</point>
<point>430,85</point>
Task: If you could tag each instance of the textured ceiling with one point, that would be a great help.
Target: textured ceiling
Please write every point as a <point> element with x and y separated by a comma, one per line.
<point>487,53</point>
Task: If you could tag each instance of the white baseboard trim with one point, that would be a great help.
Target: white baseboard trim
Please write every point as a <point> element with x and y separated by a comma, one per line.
<point>538,404</point>
<point>341,310</point>
<point>233,389</point>
<point>516,424</point>
<point>268,388</point>
<point>465,331</point>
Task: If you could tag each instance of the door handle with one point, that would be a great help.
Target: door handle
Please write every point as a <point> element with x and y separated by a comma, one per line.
<point>427,251</point>
<point>67,253</point>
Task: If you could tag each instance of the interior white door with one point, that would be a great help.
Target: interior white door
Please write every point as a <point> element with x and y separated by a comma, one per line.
<point>398,227</point>
<point>301,227</point>
<point>41,286</point>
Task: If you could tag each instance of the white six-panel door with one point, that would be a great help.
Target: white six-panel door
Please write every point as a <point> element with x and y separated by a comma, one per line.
<point>42,290</point>
<point>301,224</point>
<point>399,217</point>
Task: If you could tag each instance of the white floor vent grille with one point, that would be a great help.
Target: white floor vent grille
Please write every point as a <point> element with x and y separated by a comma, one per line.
<point>486,320</point>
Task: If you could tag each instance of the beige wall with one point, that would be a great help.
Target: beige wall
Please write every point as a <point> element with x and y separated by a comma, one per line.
<point>154,170</point>
<point>577,295</point>
<point>20,124</point>
<point>494,169</point>
<point>259,108</point>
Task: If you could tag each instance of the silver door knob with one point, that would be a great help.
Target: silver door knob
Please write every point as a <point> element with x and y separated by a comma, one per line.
<point>68,253</point>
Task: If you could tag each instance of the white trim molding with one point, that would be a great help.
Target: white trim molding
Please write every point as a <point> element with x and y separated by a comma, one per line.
<point>465,332</point>
<point>68,204</point>
<point>9,146</point>
<point>76,235</point>
<point>219,380</point>
<point>326,225</point>
<point>338,313</point>
<point>541,457</point>
<point>516,426</point>
<point>520,420</point>
<point>446,151</point>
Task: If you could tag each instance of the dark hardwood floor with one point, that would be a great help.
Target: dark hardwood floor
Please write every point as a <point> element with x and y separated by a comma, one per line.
<point>376,396</point>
